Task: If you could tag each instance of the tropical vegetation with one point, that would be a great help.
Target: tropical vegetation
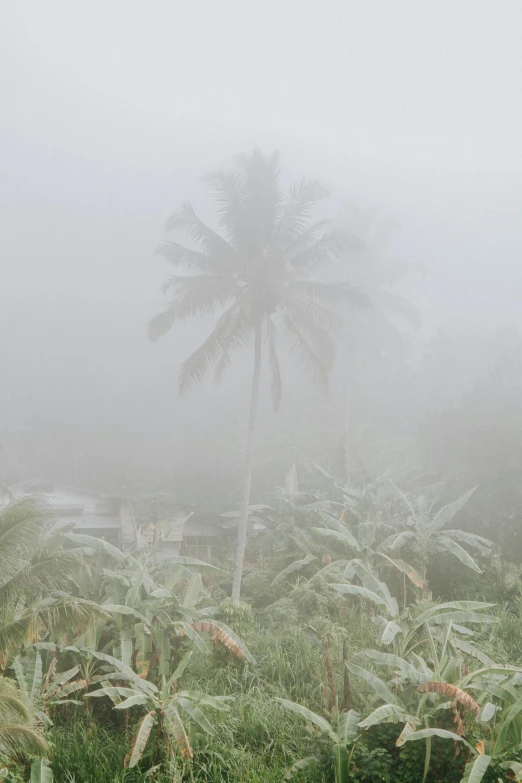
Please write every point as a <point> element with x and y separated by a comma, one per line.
<point>369,629</point>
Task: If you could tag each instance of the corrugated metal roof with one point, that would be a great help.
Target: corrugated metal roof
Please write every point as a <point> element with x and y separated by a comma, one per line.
<point>92,521</point>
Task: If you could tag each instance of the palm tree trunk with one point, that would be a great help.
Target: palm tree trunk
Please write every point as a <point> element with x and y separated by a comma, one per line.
<point>349,421</point>
<point>348,430</point>
<point>247,480</point>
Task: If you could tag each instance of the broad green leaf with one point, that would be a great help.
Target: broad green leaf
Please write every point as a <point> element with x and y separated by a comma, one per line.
<point>459,552</point>
<point>122,609</point>
<point>434,732</point>
<point>34,675</point>
<point>216,702</point>
<point>162,593</point>
<point>476,769</point>
<point>299,765</point>
<point>232,641</point>
<point>112,692</point>
<point>60,680</point>
<point>406,668</point>
<point>138,682</point>
<point>453,606</point>
<point>185,629</point>
<point>514,766</point>
<point>180,668</point>
<point>349,589</point>
<point>473,651</point>
<point>140,740</point>
<point>97,543</point>
<point>388,713</point>
<point>178,730</point>
<point>337,565</point>
<point>496,669</point>
<point>72,687</point>
<point>196,715</point>
<point>193,564</point>
<point>20,676</point>
<point>378,685</point>
<point>484,545</point>
<point>487,712</point>
<point>310,716</point>
<point>176,577</point>
<point>41,773</point>
<point>407,569</point>
<point>139,698</point>
<point>192,592</point>
<point>345,537</point>
<point>348,726</point>
<point>447,512</point>
<point>466,617</point>
<point>509,717</point>
<point>397,540</point>
<point>390,632</point>
<point>297,565</point>
<point>116,576</point>
<point>406,732</point>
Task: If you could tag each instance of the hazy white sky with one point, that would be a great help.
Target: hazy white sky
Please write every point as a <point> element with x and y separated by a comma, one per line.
<point>117,106</point>
<point>405,83</point>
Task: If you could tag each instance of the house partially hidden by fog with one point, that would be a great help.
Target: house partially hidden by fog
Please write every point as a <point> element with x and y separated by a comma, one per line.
<point>112,518</point>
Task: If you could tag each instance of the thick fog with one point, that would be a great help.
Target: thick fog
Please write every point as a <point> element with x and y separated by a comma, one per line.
<point>110,115</point>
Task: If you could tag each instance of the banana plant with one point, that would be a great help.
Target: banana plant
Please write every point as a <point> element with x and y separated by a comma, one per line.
<point>405,631</point>
<point>164,707</point>
<point>498,690</point>
<point>153,603</point>
<point>424,531</point>
<point>42,686</point>
<point>342,733</point>
<point>364,544</point>
<point>410,696</point>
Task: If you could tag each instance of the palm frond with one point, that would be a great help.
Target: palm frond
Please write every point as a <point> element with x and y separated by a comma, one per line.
<point>12,703</point>
<point>300,349</point>
<point>19,742</point>
<point>21,526</point>
<point>45,573</point>
<point>309,319</point>
<point>185,219</point>
<point>303,197</point>
<point>196,296</point>
<point>335,294</point>
<point>239,336</point>
<point>196,261</point>
<point>56,617</point>
<point>322,251</point>
<point>209,352</point>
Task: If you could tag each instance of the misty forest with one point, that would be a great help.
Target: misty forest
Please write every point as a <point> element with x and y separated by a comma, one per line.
<point>261,411</point>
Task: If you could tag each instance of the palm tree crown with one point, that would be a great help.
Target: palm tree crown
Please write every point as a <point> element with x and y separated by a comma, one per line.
<point>256,273</point>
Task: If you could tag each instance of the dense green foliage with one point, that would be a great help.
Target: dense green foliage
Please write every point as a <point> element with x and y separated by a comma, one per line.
<point>336,668</point>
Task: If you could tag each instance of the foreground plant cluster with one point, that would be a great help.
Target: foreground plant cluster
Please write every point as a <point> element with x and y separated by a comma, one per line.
<point>338,665</point>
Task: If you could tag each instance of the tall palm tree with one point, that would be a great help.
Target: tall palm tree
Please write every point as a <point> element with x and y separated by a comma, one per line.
<point>256,275</point>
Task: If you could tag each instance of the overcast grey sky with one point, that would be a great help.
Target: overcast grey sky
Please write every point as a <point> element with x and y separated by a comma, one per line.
<point>111,110</point>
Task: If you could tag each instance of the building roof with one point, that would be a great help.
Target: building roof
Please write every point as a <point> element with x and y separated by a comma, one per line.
<point>84,509</point>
